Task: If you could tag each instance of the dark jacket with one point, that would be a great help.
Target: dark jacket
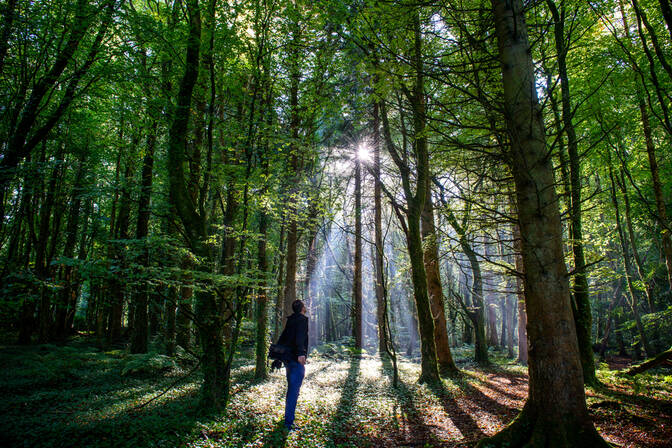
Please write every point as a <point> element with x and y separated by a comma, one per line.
<point>295,335</point>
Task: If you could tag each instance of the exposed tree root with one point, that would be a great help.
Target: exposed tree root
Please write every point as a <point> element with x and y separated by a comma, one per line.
<point>535,430</point>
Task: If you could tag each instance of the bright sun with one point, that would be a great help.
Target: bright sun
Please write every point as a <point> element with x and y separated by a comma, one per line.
<point>364,153</point>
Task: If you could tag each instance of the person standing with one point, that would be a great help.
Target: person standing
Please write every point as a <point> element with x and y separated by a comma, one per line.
<point>295,336</point>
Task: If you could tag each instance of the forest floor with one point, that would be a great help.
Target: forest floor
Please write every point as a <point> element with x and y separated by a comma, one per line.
<point>77,395</point>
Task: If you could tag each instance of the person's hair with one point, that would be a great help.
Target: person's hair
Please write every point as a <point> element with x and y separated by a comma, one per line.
<point>297,306</point>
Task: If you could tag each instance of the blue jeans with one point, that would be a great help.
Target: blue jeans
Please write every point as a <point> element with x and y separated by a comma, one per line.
<point>295,374</point>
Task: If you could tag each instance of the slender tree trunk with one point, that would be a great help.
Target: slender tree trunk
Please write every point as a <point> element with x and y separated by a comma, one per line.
<point>280,298</point>
<point>118,291</point>
<point>581,303</point>
<point>68,271</point>
<point>435,289</point>
<point>260,371</point>
<point>657,192</point>
<point>634,306</point>
<point>633,245</point>
<point>140,336</point>
<point>171,324</point>
<point>41,259</point>
<point>555,413</point>
<point>183,313</point>
<point>520,294</point>
<point>378,234</point>
<point>415,202</point>
<point>357,277</point>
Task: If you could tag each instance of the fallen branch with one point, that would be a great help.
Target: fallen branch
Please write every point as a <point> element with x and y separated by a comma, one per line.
<point>651,363</point>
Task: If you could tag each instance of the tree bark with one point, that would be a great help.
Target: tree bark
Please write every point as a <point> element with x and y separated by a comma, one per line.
<point>581,303</point>
<point>435,289</point>
<point>260,371</point>
<point>65,299</point>
<point>357,277</point>
<point>657,192</point>
<point>520,293</point>
<point>378,235</point>
<point>140,335</point>
<point>633,302</point>
<point>555,413</point>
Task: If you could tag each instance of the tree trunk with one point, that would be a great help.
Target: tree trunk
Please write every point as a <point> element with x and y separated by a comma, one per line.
<point>378,234</point>
<point>171,324</point>
<point>520,294</point>
<point>118,290</point>
<point>41,259</point>
<point>435,289</point>
<point>357,277</point>
<point>657,192</point>
<point>68,271</point>
<point>415,202</point>
<point>280,298</point>
<point>555,413</point>
<point>260,371</point>
<point>581,304</point>
<point>140,336</point>
<point>634,306</point>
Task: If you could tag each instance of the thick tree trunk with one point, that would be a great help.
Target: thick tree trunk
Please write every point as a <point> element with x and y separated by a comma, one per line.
<point>435,289</point>
<point>555,413</point>
<point>210,311</point>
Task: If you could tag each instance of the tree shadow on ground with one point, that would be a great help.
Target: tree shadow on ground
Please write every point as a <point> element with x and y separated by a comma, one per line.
<point>500,389</point>
<point>634,399</point>
<point>460,418</point>
<point>421,433</point>
<point>340,428</point>
<point>485,402</point>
